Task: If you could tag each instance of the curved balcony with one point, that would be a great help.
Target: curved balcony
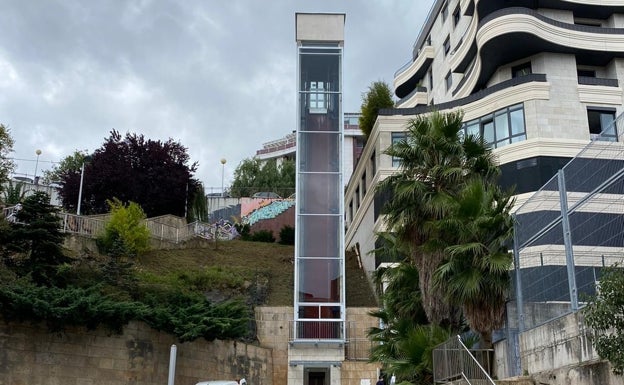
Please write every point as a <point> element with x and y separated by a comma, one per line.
<point>511,34</point>
<point>465,49</point>
<point>405,80</point>
<point>508,92</point>
<point>415,98</point>
<point>592,9</point>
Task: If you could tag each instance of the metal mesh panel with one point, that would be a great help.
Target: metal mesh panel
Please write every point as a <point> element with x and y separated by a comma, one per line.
<point>567,232</point>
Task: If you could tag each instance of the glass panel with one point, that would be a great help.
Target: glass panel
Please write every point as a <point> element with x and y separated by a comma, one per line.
<point>319,312</point>
<point>472,128</point>
<point>319,112</point>
<point>319,152</point>
<point>397,137</point>
<point>518,138</point>
<point>488,131</point>
<point>320,193</point>
<point>606,119</point>
<point>502,143</point>
<point>319,68</point>
<point>317,227</point>
<point>517,122</point>
<point>502,127</point>
<point>320,280</point>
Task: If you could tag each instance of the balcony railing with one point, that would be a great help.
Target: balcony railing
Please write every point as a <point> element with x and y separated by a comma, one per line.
<point>357,345</point>
<point>591,81</point>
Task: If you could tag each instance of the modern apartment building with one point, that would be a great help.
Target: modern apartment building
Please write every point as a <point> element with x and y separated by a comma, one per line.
<point>537,79</point>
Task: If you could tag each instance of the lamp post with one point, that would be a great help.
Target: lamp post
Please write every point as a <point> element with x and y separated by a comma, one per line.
<point>38,152</point>
<point>80,189</point>
<point>223,161</point>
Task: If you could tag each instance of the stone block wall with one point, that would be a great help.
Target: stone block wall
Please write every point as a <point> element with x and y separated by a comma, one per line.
<point>29,354</point>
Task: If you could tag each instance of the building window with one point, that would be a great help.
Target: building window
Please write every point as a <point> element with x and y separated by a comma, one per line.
<point>456,16</point>
<point>586,73</point>
<point>521,70</point>
<point>396,138</point>
<point>601,124</point>
<point>373,162</point>
<point>364,184</point>
<point>444,12</point>
<point>350,211</point>
<point>448,80</point>
<point>447,45</point>
<point>319,102</point>
<point>428,40</point>
<point>501,128</point>
<point>357,198</point>
<point>430,79</point>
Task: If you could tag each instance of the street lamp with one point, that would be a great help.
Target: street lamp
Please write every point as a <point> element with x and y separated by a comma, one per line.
<point>84,160</point>
<point>222,173</point>
<point>38,152</point>
<point>80,189</point>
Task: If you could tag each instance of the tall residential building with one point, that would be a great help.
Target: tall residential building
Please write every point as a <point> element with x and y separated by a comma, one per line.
<point>538,80</point>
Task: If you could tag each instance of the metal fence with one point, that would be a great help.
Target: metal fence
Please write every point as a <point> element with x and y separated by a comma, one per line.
<point>94,226</point>
<point>568,231</point>
<point>454,363</point>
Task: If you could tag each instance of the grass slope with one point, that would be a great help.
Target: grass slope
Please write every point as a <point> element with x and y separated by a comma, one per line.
<point>235,267</point>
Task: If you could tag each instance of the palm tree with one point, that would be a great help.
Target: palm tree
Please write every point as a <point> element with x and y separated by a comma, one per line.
<point>475,275</point>
<point>14,194</point>
<point>399,292</point>
<point>406,349</point>
<point>436,160</point>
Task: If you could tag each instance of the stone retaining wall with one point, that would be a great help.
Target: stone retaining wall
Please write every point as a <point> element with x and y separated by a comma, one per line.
<point>29,354</point>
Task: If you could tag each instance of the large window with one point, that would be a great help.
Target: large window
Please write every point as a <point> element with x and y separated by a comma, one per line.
<point>521,70</point>
<point>448,80</point>
<point>601,125</point>
<point>501,128</point>
<point>447,45</point>
<point>396,138</point>
<point>456,16</point>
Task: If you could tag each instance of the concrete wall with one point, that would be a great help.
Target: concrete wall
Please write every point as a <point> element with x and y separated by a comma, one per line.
<point>273,324</point>
<point>560,353</point>
<point>287,218</point>
<point>29,354</point>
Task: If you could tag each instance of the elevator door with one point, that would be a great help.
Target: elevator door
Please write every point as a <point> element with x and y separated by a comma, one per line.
<point>317,377</point>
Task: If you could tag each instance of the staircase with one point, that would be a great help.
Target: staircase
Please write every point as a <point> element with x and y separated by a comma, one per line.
<point>454,363</point>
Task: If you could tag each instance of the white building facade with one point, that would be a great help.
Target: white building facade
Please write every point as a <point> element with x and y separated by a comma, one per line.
<point>537,79</point>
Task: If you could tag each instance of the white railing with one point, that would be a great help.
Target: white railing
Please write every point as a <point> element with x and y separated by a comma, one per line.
<point>94,226</point>
<point>78,224</point>
<point>454,362</point>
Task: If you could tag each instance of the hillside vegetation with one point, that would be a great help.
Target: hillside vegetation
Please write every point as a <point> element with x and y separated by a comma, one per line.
<point>201,290</point>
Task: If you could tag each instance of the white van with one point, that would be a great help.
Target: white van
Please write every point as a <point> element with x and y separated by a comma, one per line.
<point>223,382</point>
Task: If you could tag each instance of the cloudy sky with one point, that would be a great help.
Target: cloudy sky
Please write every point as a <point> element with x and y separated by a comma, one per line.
<point>217,76</point>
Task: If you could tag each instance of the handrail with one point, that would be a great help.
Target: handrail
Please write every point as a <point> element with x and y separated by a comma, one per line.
<point>452,360</point>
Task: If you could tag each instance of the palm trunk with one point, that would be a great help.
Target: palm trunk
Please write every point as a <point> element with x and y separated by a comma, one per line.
<point>438,310</point>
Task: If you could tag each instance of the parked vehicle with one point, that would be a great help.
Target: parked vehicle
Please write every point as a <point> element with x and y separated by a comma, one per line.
<point>223,382</point>
<point>266,195</point>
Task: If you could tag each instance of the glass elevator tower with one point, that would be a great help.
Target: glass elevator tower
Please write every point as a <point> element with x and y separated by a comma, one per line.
<point>319,232</point>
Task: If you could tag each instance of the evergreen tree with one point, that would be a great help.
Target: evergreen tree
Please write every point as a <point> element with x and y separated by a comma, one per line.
<point>34,243</point>
<point>377,97</point>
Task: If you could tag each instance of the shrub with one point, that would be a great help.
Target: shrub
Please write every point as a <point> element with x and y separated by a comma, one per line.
<point>126,234</point>
<point>263,236</point>
<point>244,230</point>
<point>287,235</point>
